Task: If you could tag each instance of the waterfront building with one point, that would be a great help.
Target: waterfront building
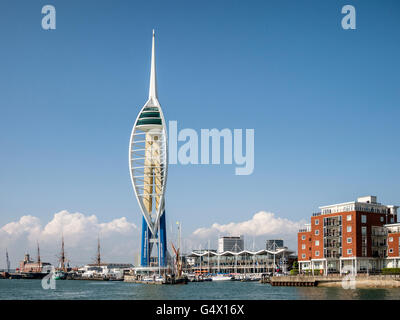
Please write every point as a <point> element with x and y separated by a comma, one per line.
<point>393,245</point>
<point>105,268</point>
<point>233,244</point>
<point>243,261</point>
<point>274,244</point>
<point>148,164</point>
<point>345,236</point>
<point>28,265</point>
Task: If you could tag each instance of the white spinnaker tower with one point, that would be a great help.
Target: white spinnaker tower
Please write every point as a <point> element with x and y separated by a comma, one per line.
<point>148,166</point>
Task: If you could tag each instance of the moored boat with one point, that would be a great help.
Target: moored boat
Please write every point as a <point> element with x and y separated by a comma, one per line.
<point>59,275</point>
<point>222,277</point>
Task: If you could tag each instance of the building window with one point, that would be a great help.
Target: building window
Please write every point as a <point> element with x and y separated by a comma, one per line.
<point>382,219</point>
<point>348,217</point>
<point>317,253</point>
<point>316,232</point>
<point>303,246</point>
<point>390,250</point>
<point>348,240</point>
<point>316,221</point>
<point>390,239</point>
<point>391,220</point>
<point>303,256</point>
<point>363,231</point>
<point>317,242</point>
<point>303,237</point>
<point>349,251</point>
<point>348,228</point>
<point>363,218</point>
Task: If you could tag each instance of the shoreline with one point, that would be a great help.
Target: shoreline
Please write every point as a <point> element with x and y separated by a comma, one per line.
<point>364,284</point>
<point>360,281</point>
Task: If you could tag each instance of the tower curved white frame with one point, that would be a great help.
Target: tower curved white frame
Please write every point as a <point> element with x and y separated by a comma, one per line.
<point>148,155</point>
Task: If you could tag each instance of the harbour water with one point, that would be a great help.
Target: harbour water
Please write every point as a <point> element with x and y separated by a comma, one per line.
<point>232,290</point>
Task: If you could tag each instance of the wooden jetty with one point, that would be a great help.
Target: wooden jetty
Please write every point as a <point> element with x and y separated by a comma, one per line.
<point>298,281</point>
<point>290,281</point>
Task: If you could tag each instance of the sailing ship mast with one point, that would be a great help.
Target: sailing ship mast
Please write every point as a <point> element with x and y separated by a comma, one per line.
<point>178,263</point>
<point>98,257</point>
<point>8,262</point>
<point>38,258</point>
<point>62,255</point>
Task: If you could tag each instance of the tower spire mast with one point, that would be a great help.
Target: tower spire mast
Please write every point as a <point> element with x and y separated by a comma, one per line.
<point>62,255</point>
<point>98,259</point>
<point>38,257</point>
<point>153,79</point>
<point>149,171</point>
<point>8,262</point>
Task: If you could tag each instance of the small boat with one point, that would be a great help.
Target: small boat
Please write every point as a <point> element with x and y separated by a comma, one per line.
<point>153,279</point>
<point>59,275</point>
<point>194,278</point>
<point>222,277</point>
<point>113,278</point>
<point>93,275</point>
<point>33,275</point>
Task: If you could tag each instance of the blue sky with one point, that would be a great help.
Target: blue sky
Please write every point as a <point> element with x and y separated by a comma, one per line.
<point>324,103</point>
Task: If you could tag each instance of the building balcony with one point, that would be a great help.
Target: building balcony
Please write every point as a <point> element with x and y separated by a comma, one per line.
<point>332,235</point>
<point>378,255</point>
<point>330,245</point>
<point>379,234</point>
<point>333,256</point>
<point>379,245</point>
<point>332,224</point>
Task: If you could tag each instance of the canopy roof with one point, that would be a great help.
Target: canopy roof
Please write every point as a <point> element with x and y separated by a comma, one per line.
<point>240,253</point>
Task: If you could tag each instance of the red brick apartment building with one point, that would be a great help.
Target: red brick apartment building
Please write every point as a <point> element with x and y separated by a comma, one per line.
<point>363,235</point>
<point>393,254</point>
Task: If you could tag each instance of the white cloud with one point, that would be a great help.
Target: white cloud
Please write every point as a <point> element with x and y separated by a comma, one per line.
<point>262,223</point>
<point>262,226</point>
<point>119,238</point>
<point>27,224</point>
<point>118,225</point>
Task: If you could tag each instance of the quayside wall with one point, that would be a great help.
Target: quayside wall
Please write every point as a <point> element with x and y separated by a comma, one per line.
<point>360,281</point>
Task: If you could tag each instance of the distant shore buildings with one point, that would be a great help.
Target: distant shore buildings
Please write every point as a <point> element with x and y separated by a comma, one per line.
<point>93,269</point>
<point>274,244</point>
<point>234,244</point>
<point>231,257</point>
<point>360,235</point>
<point>28,265</point>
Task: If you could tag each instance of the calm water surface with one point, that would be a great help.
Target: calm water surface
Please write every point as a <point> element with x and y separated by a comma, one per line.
<point>104,290</point>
